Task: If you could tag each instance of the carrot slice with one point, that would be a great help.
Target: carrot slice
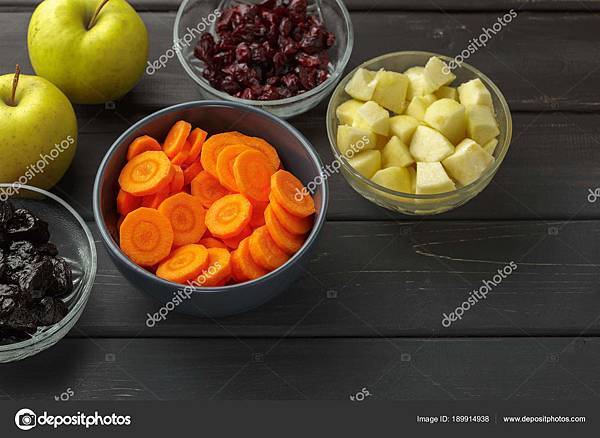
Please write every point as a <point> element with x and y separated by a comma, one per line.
<point>207,188</point>
<point>178,182</point>
<point>154,201</point>
<point>265,251</point>
<point>225,162</point>
<point>287,241</point>
<point>211,242</point>
<point>142,144</point>
<point>228,216</point>
<point>236,271</point>
<point>265,147</point>
<point>253,172</point>
<point>213,147</point>
<point>219,268</point>
<point>182,156</point>
<point>258,214</point>
<point>146,174</point>
<point>184,264</point>
<point>192,172</point>
<point>175,141</point>
<point>146,236</point>
<point>197,138</point>
<point>126,202</point>
<point>289,192</point>
<point>234,242</point>
<point>245,265</point>
<point>294,224</point>
<point>186,214</point>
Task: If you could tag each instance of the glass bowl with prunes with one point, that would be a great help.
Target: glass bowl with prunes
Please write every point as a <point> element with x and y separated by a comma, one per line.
<point>47,269</point>
<point>283,56</point>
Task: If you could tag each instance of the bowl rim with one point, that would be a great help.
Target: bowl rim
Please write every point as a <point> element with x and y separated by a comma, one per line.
<point>488,173</point>
<point>332,80</point>
<point>118,253</point>
<point>87,287</point>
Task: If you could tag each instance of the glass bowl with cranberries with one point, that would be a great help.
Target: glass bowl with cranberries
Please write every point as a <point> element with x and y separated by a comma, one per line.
<point>283,56</point>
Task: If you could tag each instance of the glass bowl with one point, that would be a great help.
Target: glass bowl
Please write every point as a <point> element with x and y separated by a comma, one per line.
<point>197,16</point>
<point>75,243</point>
<point>408,203</point>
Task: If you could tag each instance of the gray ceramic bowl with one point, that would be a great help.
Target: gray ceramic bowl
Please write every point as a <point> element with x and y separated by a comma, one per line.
<point>297,155</point>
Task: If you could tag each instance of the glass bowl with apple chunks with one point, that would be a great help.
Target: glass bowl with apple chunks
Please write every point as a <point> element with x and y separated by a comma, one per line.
<point>414,136</point>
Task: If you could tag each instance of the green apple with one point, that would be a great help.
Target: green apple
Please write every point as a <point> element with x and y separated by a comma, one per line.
<point>38,131</point>
<point>95,51</point>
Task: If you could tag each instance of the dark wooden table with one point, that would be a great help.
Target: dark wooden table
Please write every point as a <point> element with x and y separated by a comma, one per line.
<point>369,313</point>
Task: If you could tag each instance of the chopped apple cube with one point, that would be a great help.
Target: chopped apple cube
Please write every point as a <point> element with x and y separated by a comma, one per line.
<point>372,116</point>
<point>429,145</point>
<point>347,111</point>
<point>417,107</point>
<point>394,178</point>
<point>437,74</point>
<point>448,117</point>
<point>468,162</point>
<point>490,146</point>
<point>354,139</point>
<point>416,86</point>
<point>390,90</point>
<point>362,84</point>
<point>366,163</point>
<point>446,93</point>
<point>432,179</point>
<point>396,154</point>
<point>474,92</point>
<point>481,123</point>
<point>403,127</point>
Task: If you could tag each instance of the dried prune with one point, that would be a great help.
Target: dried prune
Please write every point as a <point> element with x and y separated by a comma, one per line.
<point>35,278</point>
<point>6,213</point>
<point>10,298</point>
<point>61,281</point>
<point>25,226</point>
<point>50,311</point>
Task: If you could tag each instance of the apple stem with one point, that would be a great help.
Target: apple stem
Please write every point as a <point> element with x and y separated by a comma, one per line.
<point>96,13</point>
<point>14,87</point>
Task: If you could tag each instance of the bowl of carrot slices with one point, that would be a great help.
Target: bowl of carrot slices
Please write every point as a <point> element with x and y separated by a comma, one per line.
<point>204,206</point>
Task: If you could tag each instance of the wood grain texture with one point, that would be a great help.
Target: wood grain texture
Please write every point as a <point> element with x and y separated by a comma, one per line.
<point>315,369</point>
<point>399,280</point>
<point>532,77</point>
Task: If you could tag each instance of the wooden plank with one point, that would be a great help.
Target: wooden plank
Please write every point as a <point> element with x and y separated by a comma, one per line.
<point>547,174</point>
<point>393,279</point>
<point>404,5</point>
<point>531,76</point>
<point>315,369</point>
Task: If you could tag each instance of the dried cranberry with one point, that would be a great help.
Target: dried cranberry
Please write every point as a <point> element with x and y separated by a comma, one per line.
<point>269,93</point>
<point>330,40</point>
<point>308,60</point>
<point>205,48</point>
<point>285,26</point>
<point>242,52</point>
<point>229,85</point>
<point>291,81</point>
<point>322,76</point>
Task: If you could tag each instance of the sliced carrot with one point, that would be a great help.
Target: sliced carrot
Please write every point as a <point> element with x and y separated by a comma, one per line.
<point>154,201</point>
<point>265,251</point>
<point>178,182</point>
<point>213,147</point>
<point>192,172</point>
<point>253,172</point>
<point>234,242</point>
<point>146,174</point>
<point>225,162</point>
<point>289,192</point>
<point>184,264</point>
<point>197,138</point>
<point>228,216</point>
<point>294,224</point>
<point>175,141</point>
<point>246,267</point>
<point>207,188</point>
<point>142,144</point>
<point>146,236</point>
<point>265,147</point>
<point>186,215</point>
<point>182,156</point>
<point>212,242</point>
<point>237,274</point>
<point>258,214</point>
<point>219,268</point>
<point>287,241</point>
<point>126,202</point>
